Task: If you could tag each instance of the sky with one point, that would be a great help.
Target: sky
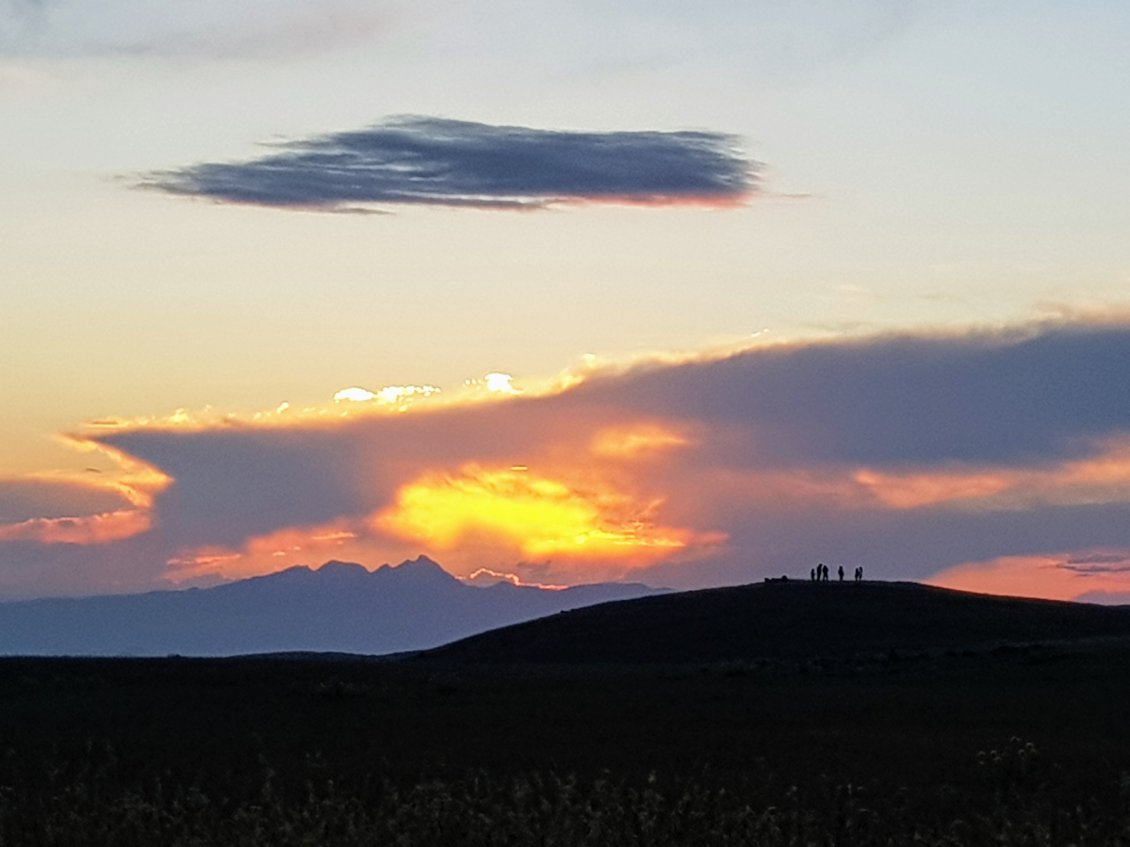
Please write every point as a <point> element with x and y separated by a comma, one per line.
<point>565,292</point>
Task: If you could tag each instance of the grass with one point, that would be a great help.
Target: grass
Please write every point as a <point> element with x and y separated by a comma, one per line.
<point>1025,745</point>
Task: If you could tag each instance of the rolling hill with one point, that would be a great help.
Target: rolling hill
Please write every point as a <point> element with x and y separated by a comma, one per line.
<point>788,620</point>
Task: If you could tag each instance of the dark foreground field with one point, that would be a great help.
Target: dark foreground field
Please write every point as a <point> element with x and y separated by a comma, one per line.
<point>1006,743</point>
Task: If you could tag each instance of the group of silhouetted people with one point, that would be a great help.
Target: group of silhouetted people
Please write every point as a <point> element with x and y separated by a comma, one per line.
<point>820,573</point>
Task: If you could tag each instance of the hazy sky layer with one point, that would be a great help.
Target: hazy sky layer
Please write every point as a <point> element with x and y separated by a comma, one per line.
<point>910,216</point>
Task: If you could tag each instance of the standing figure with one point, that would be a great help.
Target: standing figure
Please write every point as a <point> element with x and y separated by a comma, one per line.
<point>840,573</point>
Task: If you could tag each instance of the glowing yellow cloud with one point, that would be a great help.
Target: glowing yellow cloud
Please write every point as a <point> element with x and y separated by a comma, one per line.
<point>354,394</point>
<point>542,517</point>
<point>400,396</point>
<point>493,384</point>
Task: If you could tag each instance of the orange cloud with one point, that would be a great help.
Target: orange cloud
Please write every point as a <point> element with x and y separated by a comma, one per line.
<point>1054,576</point>
<point>536,515</point>
<point>131,481</point>
<point>917,490</point>
<point>88,529</point>
<point>1102,478</point>
<point>631,442</point>
<point>134,480</point>
<point>268,553</point>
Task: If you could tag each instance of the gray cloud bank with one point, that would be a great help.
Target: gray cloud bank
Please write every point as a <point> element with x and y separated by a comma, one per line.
<point>776,438</point>
<point>1029,395</point>
<point>1018,400</point>
<point>441,162</point>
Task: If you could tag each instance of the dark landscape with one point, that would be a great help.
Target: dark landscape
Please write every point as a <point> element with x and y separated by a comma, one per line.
<point>769,714</point>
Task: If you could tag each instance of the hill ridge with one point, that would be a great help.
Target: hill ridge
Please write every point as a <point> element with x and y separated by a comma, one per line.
<point>774,620</point>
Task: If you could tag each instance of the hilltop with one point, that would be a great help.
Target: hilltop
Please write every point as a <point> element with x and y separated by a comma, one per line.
<point>788,620</point>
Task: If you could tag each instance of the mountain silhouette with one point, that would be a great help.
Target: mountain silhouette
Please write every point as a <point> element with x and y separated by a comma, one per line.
<point>790,620</point>
<point>338,607</point>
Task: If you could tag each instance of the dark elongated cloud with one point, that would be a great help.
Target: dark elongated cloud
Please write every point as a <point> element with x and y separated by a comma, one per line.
<point>440,162</point>
<point>1033,394</point>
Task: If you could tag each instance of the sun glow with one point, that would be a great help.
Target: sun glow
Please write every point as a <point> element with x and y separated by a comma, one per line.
<point>538,515</point>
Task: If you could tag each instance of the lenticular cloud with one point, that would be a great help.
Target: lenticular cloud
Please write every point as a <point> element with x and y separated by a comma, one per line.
<point>439,162</point>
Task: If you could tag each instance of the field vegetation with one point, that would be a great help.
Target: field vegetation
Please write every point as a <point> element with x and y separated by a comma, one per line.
<point>1004,745</point>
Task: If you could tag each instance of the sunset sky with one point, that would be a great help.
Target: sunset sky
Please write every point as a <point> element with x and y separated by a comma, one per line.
<point>684,294</point>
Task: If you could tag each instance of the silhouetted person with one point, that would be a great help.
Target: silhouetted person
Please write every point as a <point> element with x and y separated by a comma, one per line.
<point>859,574</point>
<point>812,575</point>
<point>840,572</point>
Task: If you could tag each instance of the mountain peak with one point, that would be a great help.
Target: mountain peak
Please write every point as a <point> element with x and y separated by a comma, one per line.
<point>422,561</point>
<point>333,566</point>
<point>419,569</point>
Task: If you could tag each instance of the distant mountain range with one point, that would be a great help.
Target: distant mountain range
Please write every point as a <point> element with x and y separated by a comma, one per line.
<point>338,607</point>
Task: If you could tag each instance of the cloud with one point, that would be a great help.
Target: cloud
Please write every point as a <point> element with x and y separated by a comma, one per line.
<point>1042,575</point>
<point>440,162</point>
<point>1098,563</point>
<point>127,29</point>
<point>29,499</point>
<point>102,528</point>
<point>1032,394</point>
<point>271,34</point>
<point>914,455</point>
<point>92,510</point>
<point>24,12</point>
<point>24,7</point>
